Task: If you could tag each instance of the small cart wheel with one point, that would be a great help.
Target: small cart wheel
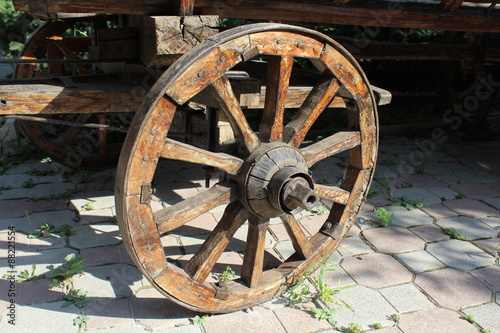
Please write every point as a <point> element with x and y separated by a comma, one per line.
<point>73,146</point>
<point>264,175</point>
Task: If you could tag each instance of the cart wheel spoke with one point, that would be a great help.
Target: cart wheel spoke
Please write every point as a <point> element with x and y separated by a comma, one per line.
<point>278,80</point>
<point>318,99</point>
<point>173,217</point>
<point>70,136</point>
<point>299,240</point>
<point>332,193</point>
<point>330,146</point>
<point>232,109</point>
<point>184,152</point>
<point>253,262</point>
<point>201,264</point>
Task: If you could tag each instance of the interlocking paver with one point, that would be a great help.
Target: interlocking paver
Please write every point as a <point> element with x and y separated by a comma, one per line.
<point>354,246</point>
<point>439,211</point>
<point>493,222</point>
<point>105,255</point>
<point>477,176</point>
<point>489,276</point>
<point>36,292</point>
<point>494,202</point>
<point>435,321</point>
<point>394,239</point>
<point>453,289</point>
<point>15,208</point>
<point>490,245</point>
<point>369,307</point>
<point>444,193</point>
<point>109,313</point>
<point>406,298</point>
<point>297,320</point>
<point>255,320</point>
<point>460,254</point>
<point>475,190</point>
<point>469,227</point>
<point>408,218</point>
<point>93,235</point>
<point>429,233</point>
<point>471,208</point>
<point>95,216</point>
<point>420,261</point>
<point>419,194</point>
<point>486,316</point>
<point>424,181</point>
<point>376,270</point>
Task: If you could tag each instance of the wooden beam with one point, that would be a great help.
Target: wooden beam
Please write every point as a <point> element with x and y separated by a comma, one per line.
<point>24,98</point>
<point>450,5</point>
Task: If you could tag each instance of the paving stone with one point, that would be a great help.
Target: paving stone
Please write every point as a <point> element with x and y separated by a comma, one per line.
<point>47,319</point>
<point>495,186</point>
<point>352,246</point>
<point>393,239</point>
<point>460,254</point>
<point>471,208</point>
<point>486,316</point>
<point>97,199</point>
<point>171,246</point>
<point>439,211</point>
<point>389,330</point>
<point>110,281</point>
<point>15,193</point>
<point>435,168</point>
<point>313,223</point>
<point>25,244</point>
<point>493,222</point>
<point>369,307</point>
<point>297,320</point>
<point>109,313</point>
<point>129,328</point>
<point>424,181</point>
<point>450,178</point>
<point>408,218</point>
<point>469,227</point>
<point>95,216</point>
<point>435,321</point>
<point>181,329</point>
<point>15,208</point>
<point>476,176</point>
<point>105,255</point>
<point>491,245</point>
<point>495,202</point>
<point>489,276</point>
<point>201,225</point>
<point>444,193</point>
<point>406,298</point>
<point>419,194</point>
<point>47,205</point>
<point>475,190</point>
<point>154,310</point>
<point>257,319</point>
<point>376,270</point>
<point>38,291</point>
<point>31,223</point>
<point>430,233</point>
<point>453,289</point>
<point>420,261</point>
<point>95,235</point>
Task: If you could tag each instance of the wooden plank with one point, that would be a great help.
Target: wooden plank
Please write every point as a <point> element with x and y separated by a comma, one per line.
<point>450,5</point>
<point>253,260</point>
<point>24,98</point>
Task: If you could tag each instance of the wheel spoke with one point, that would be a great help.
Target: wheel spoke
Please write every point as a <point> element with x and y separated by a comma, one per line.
<point>299,240</point>
<point>278,80</point>
<point>253,262</point>
<point>201,264</point>
<point>176,215</point>
<point>318,99</point>
<point>70,55</point>
<point>184,152</point>
<point>73,132</point>
<point>332,193</point>
<point>332,145</point>
<point>232,109</point>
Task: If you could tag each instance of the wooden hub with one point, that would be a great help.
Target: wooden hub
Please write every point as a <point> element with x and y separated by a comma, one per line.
<point>265,181</point>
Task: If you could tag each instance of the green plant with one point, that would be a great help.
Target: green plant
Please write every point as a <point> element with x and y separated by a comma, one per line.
<point>354,328</point>
<point>88,206</point>
<point>29,183</point>
<point>39,173</point>
<point>66,230</point>
<point>320,210</point>
<point>46,160</point>
<point>377,326</point>
<point>66,195</point>
<point>384,216</point>
<point>4,188</point>
<point>372,193</point>
<point>455,234</point>
<point>25,275</point>
<point>76,297</point>
<point>61,276</point>
<point>45,230</point>
<point>199,319</point>
<point>324,314</point>
<point>81,321</point>
<point>470,318</point>
<point>298,293</point>
<point>388,161</point>
<point>485,330</point>
<point>83,175</point>
<point>460,196</point>
<point>227,275</point>
<point>323,180</point>
<point>406,202</point>
<point>396,317</point>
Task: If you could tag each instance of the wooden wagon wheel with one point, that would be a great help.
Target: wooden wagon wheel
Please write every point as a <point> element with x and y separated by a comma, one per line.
<point>265,176</point>
<point>69,145</point>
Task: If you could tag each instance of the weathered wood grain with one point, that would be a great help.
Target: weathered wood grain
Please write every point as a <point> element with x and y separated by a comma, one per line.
<point>253,261</point>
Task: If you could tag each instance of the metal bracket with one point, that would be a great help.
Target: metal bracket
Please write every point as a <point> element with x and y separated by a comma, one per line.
<point>146,193</point>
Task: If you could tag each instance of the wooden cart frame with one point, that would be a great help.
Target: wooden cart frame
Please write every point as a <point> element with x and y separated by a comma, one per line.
<point>196,112</point>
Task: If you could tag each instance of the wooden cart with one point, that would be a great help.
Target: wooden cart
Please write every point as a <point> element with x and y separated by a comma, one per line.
<point>199,110</point>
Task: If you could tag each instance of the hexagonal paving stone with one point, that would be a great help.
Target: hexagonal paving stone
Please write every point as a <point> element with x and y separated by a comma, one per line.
<point>406,298</point>
<point>435,321</point>
<point>460,254</point>
<point>486,316</point>
<point>419,194</point>
<point>471,208</point>
<point>430,233</point>
<point>376,270</point>
<point>490,276</point>
<point>453,289</point>
<point>475,190</point>
<point>93,235</point>
<point>394,239</point>
<point>467,226</point>
<point>352,246</point>
<point>420,261</point>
